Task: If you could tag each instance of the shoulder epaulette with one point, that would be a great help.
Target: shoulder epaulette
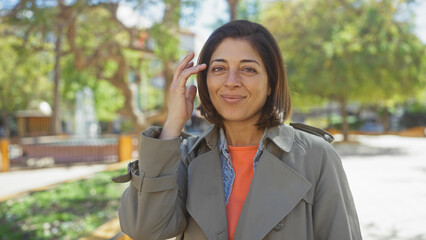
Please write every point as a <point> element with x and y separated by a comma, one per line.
<point>313,130</point>
<point>132,167</point>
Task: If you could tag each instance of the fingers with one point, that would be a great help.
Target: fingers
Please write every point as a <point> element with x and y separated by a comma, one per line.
<point>185,69</point>
<point>190,64</point>
<point>184,64</point>
<point>190,93</point>
<point>185,61</point>
<point>183,77</point>
<point>192,70</point>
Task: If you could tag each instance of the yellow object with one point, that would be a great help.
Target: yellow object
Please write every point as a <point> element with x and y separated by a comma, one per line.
<point>4,150</point>
<point>125,237</point>
<point>105,232</point>
<point>125,148</point>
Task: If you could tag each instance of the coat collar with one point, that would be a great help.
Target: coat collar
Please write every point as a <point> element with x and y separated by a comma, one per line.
<point>282,136</point>
<point>205,196</point>
<point>275,190</point>
<point>210,137</point>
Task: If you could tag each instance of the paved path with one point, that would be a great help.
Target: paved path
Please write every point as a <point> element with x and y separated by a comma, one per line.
<point>387,175</point>
<point>16,182</point>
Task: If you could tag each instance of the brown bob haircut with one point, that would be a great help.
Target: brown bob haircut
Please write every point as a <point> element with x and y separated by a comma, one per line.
<point>277,106</point>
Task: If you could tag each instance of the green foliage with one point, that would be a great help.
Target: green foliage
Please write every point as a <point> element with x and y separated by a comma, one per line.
<point>98,50</point>
<point>23,74</point>
<point>150,97</point>
<point>414,114</point>
<point>249,10</point>
<point>165,34</point>
<point>246,9</point>
<point>187,12</point>
<point>108,99</point>
<point>68,211</point>
<point>415,107</point>
<point>353,50</point>
<point>94,27</point>
<point>166,42</point>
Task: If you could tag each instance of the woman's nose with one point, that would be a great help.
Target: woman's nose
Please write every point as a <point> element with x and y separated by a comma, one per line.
<point>232,79</point>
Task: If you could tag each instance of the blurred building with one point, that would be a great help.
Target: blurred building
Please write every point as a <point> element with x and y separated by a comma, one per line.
<point>34,121</point>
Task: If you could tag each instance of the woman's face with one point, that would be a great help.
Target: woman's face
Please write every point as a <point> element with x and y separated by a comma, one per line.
<point>237,81</point>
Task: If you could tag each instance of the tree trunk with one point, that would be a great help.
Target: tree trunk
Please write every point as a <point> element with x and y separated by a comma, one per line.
<point>386,119</point>
<point>345,126</point>
<point>56,120</point>
<point>232,9</point>
<point>4,117</point>
<point>141,119</point>
<point>168,72</point>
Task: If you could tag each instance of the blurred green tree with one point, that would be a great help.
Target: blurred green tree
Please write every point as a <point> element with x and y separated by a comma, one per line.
<point>23,77</point>
<point>99,42</point>
<point>249,9</point>
<point>166,45</point>
<point>241,9</point>
<point>108,99</point>
<point>346,50</point>
<point>32,22</point>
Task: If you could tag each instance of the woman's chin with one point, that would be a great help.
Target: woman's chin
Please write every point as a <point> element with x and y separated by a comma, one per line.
<point>238,119</point>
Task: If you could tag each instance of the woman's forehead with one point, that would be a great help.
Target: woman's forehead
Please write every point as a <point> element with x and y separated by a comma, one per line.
<point>231,49</point>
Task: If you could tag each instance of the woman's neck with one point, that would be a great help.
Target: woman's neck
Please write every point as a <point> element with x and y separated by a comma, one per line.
<point>239,135</point>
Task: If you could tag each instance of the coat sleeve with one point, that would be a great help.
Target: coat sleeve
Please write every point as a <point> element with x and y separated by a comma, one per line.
<point>153,206</point>
<point>334,212</point>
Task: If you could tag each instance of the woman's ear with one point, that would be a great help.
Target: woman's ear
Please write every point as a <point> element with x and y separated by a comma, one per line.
<point>269,91</point>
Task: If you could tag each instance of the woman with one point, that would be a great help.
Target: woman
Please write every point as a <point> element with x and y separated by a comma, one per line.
<point>249,176</point>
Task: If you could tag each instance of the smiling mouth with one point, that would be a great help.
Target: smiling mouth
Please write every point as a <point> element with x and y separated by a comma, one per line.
<point>232,98</point>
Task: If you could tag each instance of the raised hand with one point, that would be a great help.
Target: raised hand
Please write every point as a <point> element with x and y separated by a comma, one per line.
<point>181,101</point>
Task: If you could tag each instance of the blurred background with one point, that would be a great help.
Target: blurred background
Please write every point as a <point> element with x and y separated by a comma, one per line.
<point>80,79</point>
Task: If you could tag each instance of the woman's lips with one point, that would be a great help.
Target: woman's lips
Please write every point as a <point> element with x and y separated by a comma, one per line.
<point>232,98</point>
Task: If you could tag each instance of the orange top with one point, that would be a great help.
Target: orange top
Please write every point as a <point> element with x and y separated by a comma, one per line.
<point>242,161</point>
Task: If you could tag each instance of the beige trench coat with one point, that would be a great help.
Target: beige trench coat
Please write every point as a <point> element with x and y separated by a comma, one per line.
<point>299,190</point>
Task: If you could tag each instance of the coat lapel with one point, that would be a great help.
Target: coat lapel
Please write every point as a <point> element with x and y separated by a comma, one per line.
<point>206,198</point>
<point>275,190</point>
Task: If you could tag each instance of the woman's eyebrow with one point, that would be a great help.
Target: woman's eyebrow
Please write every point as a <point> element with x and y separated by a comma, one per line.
<point>250,60</point>
<point>218,60</point>
<point>242,61</point>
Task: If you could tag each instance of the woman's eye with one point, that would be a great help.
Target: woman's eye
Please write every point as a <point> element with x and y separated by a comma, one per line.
<point>250,70</point>
<point>217,69</point>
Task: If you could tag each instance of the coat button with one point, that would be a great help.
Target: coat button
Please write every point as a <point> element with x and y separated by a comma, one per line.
<point>279,227</point>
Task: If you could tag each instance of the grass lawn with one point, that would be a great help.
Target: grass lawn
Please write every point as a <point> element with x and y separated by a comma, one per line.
<point>67,211</point>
